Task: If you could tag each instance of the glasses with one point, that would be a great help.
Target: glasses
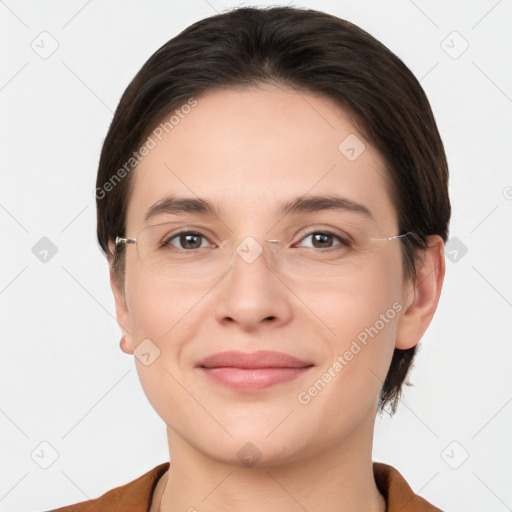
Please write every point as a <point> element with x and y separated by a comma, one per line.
<point>187,254</point>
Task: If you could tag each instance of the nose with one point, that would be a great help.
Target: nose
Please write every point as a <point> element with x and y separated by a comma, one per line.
<point>252,295</point>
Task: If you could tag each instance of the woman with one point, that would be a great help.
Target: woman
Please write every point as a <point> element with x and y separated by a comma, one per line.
<point>273,202</point>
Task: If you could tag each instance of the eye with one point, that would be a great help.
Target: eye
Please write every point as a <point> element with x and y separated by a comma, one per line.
<point>325,240</point>
<point>187,240</point>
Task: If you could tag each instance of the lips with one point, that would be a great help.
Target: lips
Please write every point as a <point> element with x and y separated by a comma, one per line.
<point>254,360</point>
<point>252,371</point>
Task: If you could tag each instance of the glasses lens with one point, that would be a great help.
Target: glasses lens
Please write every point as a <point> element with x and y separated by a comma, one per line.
<point>180,254</point>
<point>187,255</point>
<point>326,258</point>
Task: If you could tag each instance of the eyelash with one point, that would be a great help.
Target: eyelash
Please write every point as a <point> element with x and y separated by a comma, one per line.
<point>343,242</point>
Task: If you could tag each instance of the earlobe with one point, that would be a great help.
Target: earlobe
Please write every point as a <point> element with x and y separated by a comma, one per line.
<point>122,312</point>
<point>123,344</point>
<point>421,296</point>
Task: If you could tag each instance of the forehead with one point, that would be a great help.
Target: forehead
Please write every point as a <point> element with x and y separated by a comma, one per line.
<point>251,151</point>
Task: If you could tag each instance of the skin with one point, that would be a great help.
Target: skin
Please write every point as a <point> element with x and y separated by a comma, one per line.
<point>249,151</point>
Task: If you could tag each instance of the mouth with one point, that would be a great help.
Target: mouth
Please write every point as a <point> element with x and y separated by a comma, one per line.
<point>250,372</point>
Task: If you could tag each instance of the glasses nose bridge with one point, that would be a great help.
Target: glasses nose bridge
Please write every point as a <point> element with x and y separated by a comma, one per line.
<point>251,248</point>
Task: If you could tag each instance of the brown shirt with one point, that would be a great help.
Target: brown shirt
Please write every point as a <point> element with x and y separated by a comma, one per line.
<point>136,496</point>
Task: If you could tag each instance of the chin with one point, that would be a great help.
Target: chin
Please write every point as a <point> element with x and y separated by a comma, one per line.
<point>252,452</point>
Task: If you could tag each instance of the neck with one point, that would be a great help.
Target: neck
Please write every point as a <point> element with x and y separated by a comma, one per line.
<point>338,478</point>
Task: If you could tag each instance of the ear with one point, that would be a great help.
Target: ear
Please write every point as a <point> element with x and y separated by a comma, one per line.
<point>421,295</point>
<point>122,312</point>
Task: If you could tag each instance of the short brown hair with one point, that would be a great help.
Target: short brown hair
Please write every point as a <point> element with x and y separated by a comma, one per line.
<point>304,50</point>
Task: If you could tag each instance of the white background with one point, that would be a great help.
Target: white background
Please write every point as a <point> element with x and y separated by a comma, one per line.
<point>64,379</point>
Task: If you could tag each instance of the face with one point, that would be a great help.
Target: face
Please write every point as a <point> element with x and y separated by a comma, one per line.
<point>248,153</point>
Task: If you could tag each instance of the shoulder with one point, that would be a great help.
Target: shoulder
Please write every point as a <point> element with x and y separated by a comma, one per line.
<point>134,496</point>
<point>399,495</point>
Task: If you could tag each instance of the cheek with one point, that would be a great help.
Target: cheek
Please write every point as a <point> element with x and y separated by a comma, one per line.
<point>166,315</point>
<point>362,313</point>
<point>158,307</point>
<point>356,301</point>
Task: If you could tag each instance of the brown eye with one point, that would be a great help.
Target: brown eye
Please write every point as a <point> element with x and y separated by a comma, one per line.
<point>324,240</point>
<point>187,241</point>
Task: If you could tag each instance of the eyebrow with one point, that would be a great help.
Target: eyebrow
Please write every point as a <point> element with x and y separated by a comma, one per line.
<point>302,204</point>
